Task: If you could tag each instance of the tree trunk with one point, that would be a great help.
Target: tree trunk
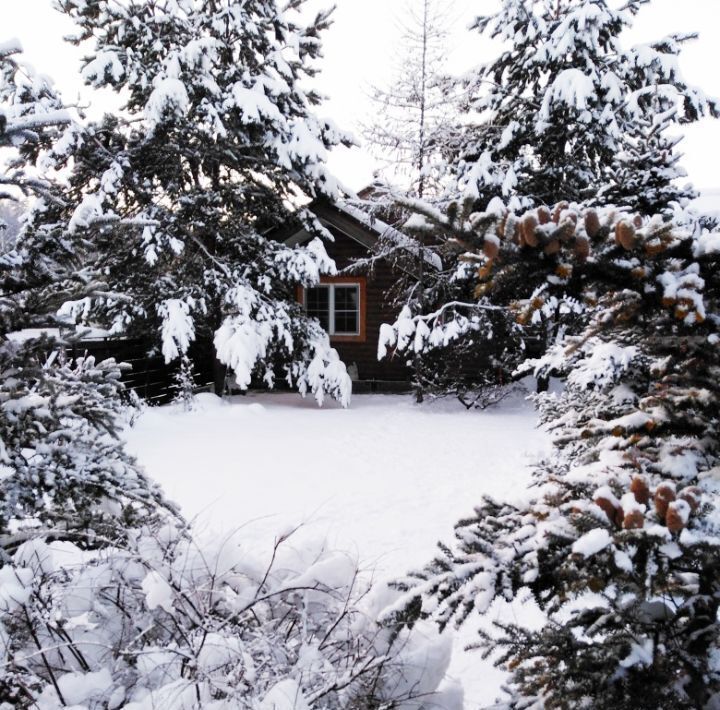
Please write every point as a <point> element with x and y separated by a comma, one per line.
<point>219,377</point>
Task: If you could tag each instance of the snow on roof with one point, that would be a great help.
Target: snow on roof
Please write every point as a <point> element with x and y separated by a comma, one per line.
<point>386,231</point>
<point>12,46</point>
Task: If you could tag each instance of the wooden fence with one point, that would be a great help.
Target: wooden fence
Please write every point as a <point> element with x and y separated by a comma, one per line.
<point>148,375</point>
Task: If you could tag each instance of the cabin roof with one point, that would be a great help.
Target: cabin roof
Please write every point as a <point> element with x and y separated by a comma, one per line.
<point>360,227</point>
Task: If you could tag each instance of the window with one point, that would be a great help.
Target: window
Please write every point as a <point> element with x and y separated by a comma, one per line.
<point>339,307</point>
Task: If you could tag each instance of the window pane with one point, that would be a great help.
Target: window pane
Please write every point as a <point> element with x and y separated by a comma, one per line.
<point>346,298</point>
<point>347,311</point>
<point>317,304</point>
<point>318,298</point>
<point>346,322</point>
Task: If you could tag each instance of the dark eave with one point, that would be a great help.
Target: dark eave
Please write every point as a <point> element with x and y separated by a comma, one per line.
<point>331,216</point>
<point>357,226</point>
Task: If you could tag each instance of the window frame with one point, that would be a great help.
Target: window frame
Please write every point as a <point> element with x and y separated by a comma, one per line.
<point>359,282</point>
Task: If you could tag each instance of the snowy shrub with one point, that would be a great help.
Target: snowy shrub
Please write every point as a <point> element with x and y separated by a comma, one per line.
<point>162,622</point>
<point>617,542</point>
<point>184,384</point>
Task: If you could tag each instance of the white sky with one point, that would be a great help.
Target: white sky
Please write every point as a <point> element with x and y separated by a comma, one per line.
<point>362,44</point>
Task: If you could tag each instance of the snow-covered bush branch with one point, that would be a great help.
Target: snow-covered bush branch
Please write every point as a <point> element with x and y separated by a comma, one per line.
<point>161,621</point>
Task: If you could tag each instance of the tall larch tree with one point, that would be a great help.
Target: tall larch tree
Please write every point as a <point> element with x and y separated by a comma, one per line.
<point>413,114</point>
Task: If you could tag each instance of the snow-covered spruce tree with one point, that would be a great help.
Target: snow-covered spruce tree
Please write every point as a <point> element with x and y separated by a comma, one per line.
<point>618,540</point>
<point>215,140</point>
<point>566,112</point>
<point>64,472</point>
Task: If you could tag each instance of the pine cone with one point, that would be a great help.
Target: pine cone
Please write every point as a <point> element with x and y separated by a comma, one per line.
<point>544,215</point>
<point>592,223</point>
<point>560,207</point>
<point>677,516</point>
<point>625,235</point>
<point>619,516</point>
<point>634,520</point>
<point>511,229</point>
<point>582,248</point>
<point>664,495</point>
<point>567,230</point>
<point>491,248</point>
<point>528,226</point>
<point>691,495</point>
<point>640,490</point>
<point>608,507</point>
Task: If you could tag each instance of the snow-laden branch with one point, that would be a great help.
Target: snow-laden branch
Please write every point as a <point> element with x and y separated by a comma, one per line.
<point>418,333</point>
<point>457,304</point>
<point>10,47</point>
<point>29,123</point>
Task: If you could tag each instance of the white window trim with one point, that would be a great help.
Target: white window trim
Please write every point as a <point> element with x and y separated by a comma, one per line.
<point>331,307</point>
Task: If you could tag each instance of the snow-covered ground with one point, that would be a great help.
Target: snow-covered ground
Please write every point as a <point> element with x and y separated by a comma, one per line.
<point>708,202</point>
<point>385,479</point>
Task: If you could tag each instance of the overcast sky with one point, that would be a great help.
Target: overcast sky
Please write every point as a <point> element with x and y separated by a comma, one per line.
<point>360,48</point>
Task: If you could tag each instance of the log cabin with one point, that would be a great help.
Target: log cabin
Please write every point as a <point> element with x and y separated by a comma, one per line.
<point>352,307</point>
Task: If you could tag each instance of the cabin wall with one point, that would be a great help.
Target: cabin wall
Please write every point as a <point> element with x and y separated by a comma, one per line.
<point>344,251</point>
